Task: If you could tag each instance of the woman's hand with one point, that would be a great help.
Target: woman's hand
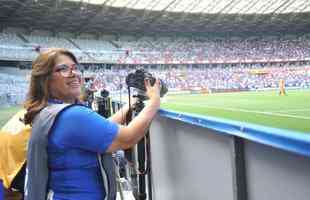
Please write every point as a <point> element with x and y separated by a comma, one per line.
<point>153,92</point>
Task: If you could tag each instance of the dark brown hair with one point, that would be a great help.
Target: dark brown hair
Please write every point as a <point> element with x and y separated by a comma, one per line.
<point>38,93</point>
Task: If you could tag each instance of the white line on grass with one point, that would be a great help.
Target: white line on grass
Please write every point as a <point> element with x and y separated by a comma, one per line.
<point>244,110</point>
<point>291,110</point>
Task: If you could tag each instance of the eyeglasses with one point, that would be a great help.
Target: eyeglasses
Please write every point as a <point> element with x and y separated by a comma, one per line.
<point>66,70</point>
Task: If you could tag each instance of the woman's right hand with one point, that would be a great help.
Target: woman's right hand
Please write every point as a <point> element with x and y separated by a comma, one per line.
<point>153,92</point>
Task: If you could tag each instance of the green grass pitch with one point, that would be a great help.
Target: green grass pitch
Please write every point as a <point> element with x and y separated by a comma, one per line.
<point>266,108</point>
<point>7,112</point>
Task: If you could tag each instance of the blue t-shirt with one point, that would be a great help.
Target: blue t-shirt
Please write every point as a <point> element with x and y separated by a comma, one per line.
<point>76,137</point>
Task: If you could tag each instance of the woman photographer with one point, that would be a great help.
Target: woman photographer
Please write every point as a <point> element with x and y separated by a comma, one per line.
<point>67,137</point>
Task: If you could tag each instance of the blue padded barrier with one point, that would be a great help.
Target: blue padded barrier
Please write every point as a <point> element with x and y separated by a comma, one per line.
<point>293,141</point>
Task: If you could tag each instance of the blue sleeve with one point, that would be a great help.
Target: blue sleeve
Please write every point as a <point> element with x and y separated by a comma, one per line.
<point>80,127</point>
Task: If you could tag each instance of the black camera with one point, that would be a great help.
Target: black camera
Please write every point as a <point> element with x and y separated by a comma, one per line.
<point>104,93</point>
<point>136,80</point>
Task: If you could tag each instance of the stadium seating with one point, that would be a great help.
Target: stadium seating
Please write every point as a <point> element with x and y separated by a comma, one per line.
<point>10,39</point>
<point>162,50</point>
<point>12,89</point>
<point>14,48</point>
<point>47,41</point>
<point>247,76</point>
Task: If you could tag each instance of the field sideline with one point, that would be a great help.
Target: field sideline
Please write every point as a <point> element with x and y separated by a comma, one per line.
<point>264,108</point>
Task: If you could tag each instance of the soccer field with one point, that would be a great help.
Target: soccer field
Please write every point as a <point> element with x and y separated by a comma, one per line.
<point>264,108</point>
<point>7,112</point>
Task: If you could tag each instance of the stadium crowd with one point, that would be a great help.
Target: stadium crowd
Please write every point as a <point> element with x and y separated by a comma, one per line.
<point>250,78</point>
<point>253,77</point>
<point>161,50</point>
<point>183,51</point>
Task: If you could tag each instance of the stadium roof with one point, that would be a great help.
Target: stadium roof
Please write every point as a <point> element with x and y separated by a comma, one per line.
<point>210,6</point>
<point>191,17</point>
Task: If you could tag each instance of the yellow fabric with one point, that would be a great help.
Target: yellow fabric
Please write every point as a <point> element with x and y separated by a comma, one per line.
<point>14,137</point>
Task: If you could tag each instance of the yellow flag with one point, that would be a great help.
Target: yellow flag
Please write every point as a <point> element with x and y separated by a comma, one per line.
<point>14,137</point>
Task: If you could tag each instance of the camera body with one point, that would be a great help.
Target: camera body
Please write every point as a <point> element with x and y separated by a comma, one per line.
<point>136,80</point>
<point>104,93</point>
